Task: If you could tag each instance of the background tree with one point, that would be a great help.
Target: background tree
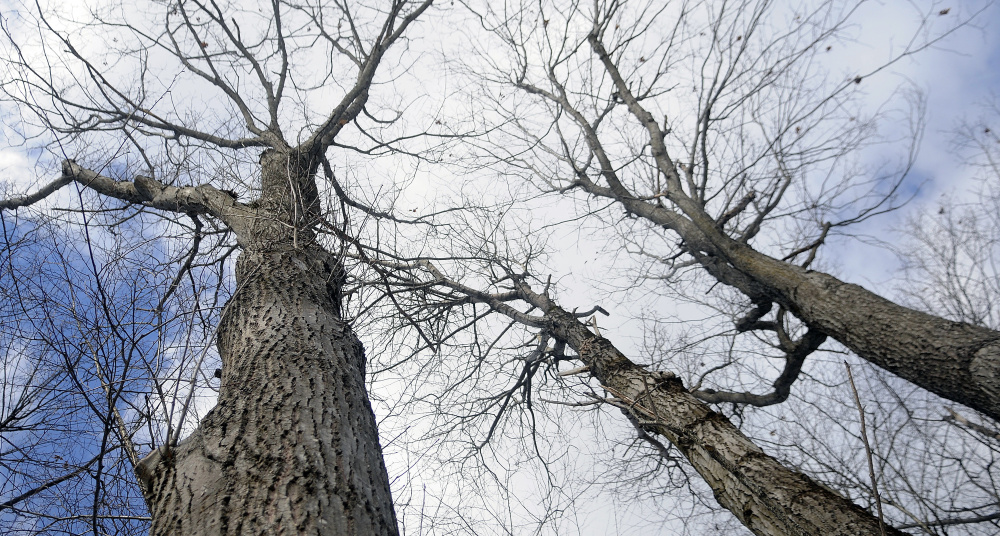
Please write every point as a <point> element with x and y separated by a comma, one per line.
<point>759,151</point>
<point>950,259</point>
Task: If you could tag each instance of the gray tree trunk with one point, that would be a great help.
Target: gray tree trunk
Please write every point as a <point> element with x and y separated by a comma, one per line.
<point>767,497</point>
<point>954,360</point>
<point>292,446</point>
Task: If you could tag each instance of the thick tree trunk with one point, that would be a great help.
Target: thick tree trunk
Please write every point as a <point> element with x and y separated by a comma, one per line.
<point>954,360</point>
<point>292,446</point>
<point>767,497</point>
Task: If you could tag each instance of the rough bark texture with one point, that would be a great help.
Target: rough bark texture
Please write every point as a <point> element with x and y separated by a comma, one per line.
<point>954,360</point>
<point>767,497</point>
<point>292,446</point>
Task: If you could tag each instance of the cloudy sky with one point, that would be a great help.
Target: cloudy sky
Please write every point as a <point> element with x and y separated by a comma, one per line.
<point>959,76</point>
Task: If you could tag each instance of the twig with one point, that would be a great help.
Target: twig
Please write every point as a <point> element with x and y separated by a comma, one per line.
<point>868,449</point>
<point>986,431</point>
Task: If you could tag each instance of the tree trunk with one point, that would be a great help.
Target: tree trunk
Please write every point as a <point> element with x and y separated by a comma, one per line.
<point>292,446</point>
<point>954,360</point>
<point>767,497</point>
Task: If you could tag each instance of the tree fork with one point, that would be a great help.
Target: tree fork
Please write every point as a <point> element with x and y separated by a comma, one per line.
<point>955,360</point>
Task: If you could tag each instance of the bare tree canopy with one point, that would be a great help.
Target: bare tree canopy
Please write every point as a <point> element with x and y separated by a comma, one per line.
<point>717,207</point>
<point>224,199</point>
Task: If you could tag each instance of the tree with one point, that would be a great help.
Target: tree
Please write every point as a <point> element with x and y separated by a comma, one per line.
<point>767,497</point>
<point>949,263</point>
<point>589,82</point>
<point>746,173</point>
<point>292,445</point>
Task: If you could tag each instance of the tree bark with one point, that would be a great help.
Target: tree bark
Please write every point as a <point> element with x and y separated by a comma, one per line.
<point>292,446</point>
<point>954,360</point>
<point>767,497</point>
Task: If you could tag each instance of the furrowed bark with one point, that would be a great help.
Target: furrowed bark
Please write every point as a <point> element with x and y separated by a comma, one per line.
<point>955,360</point>
<point>767,497</point>
<point>292,446</point>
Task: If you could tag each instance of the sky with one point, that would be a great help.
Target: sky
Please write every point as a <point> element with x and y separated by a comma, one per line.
<point>958,77</point>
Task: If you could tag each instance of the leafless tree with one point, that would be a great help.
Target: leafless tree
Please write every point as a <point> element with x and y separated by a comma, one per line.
<point>951,255</point>
<point>158,113</point>
<point>709,138</point>
<point>715,175</point>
